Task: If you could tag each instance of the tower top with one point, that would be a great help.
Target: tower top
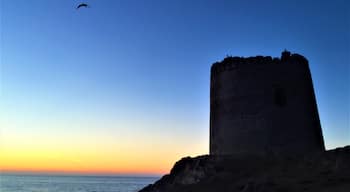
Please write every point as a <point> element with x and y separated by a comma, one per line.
<point>231,63</point>
<point>285,55</point>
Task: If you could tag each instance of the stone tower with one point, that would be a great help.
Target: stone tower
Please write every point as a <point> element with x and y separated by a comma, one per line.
<point>263,105</point>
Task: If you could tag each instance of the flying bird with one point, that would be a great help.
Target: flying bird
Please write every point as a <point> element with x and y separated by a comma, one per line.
<point>82,5</point>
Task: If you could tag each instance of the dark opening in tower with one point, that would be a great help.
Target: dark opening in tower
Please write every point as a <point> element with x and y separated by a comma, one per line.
<point>280,97</point>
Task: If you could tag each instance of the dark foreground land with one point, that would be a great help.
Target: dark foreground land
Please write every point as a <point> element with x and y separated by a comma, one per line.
<point>324,172</point>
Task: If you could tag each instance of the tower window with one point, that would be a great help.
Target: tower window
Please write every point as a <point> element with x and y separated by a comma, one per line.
<point>280,97</point>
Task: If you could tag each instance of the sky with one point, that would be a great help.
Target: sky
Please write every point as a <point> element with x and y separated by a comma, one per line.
<point>123,86</point>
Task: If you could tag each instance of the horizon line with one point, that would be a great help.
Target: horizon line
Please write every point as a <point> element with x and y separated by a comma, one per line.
<point>76,173</point>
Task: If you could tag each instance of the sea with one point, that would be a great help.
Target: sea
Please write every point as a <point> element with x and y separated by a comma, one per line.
<point>72,183</point>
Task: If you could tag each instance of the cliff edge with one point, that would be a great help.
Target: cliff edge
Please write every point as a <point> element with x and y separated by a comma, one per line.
<point>326,171</point>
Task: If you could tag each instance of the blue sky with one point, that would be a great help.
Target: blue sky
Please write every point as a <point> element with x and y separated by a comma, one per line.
<point>141,68</point>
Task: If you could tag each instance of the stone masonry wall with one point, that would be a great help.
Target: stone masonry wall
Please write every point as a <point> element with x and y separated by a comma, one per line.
<point>263,105</point>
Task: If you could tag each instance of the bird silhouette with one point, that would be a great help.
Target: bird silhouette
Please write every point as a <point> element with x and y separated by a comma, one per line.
<point>82,5</point>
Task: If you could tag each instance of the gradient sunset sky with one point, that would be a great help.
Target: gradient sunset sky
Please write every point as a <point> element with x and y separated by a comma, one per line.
<point>123,86</point>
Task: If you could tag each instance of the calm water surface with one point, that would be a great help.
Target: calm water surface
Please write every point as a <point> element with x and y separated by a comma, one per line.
<point>61,183</point>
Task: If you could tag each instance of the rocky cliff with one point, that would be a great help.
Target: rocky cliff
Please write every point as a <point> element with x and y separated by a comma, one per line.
<point>327,171</point>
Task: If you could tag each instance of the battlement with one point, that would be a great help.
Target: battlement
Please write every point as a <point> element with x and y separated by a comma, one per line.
<point>232,63</point>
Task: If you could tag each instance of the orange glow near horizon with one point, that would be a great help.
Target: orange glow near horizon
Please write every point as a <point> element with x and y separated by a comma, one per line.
<point>93,153</point>
<point>96,143</point>
<point>98,166</point>
<point>88,162</point>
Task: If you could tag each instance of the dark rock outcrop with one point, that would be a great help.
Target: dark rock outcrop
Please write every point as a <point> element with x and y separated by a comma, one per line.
<point>327,171</point>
